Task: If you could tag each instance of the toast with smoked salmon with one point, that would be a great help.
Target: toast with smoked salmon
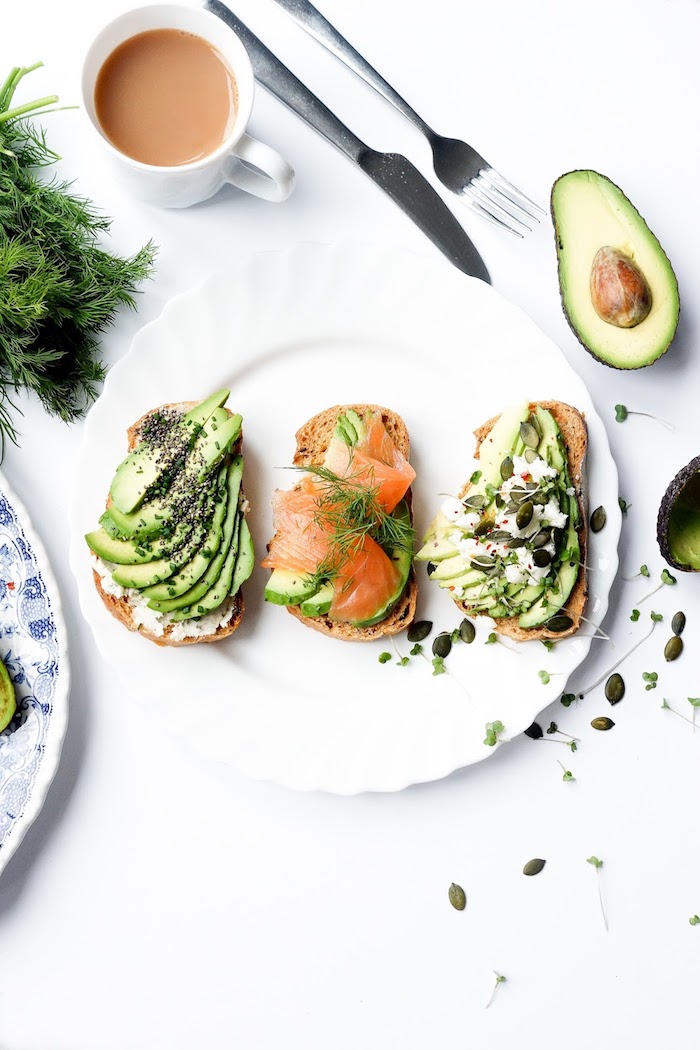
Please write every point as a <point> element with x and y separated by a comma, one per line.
<point>173,546</point>
<point>512,544</point>
<point>341,556</point>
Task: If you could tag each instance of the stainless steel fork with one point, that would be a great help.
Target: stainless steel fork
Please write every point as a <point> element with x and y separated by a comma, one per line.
<point>458,166</point>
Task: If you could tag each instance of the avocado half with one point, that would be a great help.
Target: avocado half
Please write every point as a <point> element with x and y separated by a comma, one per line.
<point>589,213</point>
<point>678,522</point>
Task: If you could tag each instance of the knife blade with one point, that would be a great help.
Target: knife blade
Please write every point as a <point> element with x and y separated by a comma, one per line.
<point>392,172</point>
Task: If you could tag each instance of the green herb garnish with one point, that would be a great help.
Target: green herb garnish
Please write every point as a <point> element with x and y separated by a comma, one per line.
<point>59,289</point>
<point>598,864</point>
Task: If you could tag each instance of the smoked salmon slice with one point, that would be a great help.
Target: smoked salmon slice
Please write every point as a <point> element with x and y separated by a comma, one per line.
<point>306,524</point>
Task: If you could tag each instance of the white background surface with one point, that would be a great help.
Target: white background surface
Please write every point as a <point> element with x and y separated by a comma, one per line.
<point>159,901</point>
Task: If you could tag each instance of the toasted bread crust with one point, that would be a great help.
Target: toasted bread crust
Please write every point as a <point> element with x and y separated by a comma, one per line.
<point>120,608</point>
<point>573,428</point>
<point>313,439</point>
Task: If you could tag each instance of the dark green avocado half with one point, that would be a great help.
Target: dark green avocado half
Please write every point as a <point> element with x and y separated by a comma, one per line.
<point>678,522</point>
<point>591,213</point>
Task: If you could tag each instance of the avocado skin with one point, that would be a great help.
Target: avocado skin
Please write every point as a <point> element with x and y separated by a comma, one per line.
<point>559,239</point>
<point>679,488</point>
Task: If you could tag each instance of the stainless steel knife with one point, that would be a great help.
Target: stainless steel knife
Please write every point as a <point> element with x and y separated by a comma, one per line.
<point>390,171</point>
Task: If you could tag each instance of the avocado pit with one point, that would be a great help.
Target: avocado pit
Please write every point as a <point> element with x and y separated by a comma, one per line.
<point>620,293</point>
<point>678,522</point>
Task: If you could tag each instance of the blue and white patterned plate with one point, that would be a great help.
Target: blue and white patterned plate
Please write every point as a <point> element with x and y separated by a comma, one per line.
<point>33,646</point>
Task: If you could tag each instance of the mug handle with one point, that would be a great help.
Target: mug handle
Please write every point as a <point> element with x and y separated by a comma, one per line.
<point>273,179</point>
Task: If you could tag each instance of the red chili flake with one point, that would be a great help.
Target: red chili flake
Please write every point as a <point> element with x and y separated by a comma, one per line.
<point>450,588</point>
<point>10,586</point>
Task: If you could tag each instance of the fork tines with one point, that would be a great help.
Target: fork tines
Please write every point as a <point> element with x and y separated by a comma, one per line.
<point>499,201</point>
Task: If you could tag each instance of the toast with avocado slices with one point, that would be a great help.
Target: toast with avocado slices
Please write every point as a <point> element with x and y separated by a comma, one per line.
<point>342,553</point>
<point>173,547</point>
<point>512,544</point>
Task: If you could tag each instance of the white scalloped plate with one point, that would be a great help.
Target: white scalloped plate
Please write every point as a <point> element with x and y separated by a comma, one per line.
<point>33,647</point>
<point>291,333</point>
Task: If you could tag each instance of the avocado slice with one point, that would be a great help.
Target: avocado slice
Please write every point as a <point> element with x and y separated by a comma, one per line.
<point>245,558</point>
<point>286,587</point>
<point>234,476</point>
<point>8,699</point>
<point>591,213</point>
<point>199,436</point>
<point>319,603</point>
<point>118,552</point>
<point>188,573</point>
<point>149,575</point>
<point>678,521</point>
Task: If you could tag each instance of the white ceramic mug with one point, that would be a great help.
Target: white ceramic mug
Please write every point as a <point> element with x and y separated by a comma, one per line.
<point>240,159</point>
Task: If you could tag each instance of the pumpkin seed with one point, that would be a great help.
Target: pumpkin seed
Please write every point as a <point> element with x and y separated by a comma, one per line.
<point>515,542</point>
<point>475,502</point>
<point>535,731</point>
<point>430,567</point>
<point>560,622</point>
<point>602,723</point>
<point>529,434</point>
<point>442,644</point>
<point>614,688</point>
<point>457,896</point>
<point>419,630</point>
<point>483,527</point>
<point>534,866</point>
<point>467,631</point>
<point>507,468</point>
<point>598,519</point>
<point>500,536</point>
<point>673,648</point>
<point>483,562</point>
<point>543,537</point>
<point>540,499</point>
<point>530,455</point>
<point>678,623</point>
<point>524,515</point>
<point>541,559</point>
<point>519,496</point>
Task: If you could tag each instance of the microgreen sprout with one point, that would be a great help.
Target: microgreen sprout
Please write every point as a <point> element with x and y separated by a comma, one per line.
<point>547,643</point>
<point>492,639</point>
<point>624,505</point>
<point>475,477</point>
<point>500,979</point>
<point>568,775</point>
<point>694,702</point>
<point>651,678</point>
<point>622,412</point>
<point>694,920</point>
<point>416,650</point>
<point>384,658</point>
<point>666,580</point>
<point>656,617</point>
<point>568,698</point>
<point>544,677</point>
<point>598,864</point>
<point>634,615</point>
<point>439,665</point>
<point>493,731</point>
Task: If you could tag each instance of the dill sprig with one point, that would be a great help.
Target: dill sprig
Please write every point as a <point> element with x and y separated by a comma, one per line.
<point>350,510</point>
<point>59,289</point>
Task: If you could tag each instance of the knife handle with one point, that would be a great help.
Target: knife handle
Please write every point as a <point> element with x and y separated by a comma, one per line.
<point>309,18</point>
<point>279,80</point>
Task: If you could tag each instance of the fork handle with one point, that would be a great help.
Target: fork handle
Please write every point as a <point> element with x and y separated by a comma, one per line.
<point>309,18</point>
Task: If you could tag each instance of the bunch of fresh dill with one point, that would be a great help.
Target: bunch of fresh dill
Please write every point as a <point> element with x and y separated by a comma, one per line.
<point>58,288</point>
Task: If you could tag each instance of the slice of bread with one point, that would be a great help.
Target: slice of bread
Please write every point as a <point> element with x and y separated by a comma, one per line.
<point>122,606</point>
<point>572,425</point>
<point>313,439</point>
